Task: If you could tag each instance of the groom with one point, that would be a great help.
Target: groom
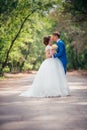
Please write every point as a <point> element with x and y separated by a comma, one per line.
<point>61,51</point>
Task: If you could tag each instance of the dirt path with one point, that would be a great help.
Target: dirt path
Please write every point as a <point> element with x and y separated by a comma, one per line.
<point>19,113</point>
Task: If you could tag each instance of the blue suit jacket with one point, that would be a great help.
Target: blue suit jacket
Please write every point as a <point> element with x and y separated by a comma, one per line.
<point>61,53</point>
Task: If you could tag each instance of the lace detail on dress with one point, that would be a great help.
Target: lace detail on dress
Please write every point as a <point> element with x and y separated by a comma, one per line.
<point>48,47</point>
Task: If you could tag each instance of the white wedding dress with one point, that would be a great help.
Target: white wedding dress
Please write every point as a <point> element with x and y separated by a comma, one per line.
<point>50,80</point>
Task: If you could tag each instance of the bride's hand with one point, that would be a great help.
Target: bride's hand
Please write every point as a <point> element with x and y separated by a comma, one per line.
<point>48,55</point>
<point>53,51</point>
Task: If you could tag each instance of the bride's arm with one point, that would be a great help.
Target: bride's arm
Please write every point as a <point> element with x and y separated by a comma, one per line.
<point>48,55</point>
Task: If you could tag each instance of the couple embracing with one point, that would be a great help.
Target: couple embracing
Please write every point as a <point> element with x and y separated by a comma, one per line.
<point>50,80</point>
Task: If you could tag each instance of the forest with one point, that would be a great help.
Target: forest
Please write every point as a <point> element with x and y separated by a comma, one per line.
<point>24,23</point>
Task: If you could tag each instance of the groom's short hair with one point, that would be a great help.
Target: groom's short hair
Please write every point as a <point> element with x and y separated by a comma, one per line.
<point>56,34</point>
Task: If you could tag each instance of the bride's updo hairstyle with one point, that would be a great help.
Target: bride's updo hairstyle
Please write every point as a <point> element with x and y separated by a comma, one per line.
<point>46,40</point>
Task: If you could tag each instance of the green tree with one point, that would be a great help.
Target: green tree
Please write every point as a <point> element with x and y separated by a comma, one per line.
<point>14,15</point>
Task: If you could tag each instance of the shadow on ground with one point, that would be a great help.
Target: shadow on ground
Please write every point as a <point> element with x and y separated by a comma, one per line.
<point>19,113</point>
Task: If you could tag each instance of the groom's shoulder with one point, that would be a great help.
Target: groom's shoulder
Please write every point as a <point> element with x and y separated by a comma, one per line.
<point>61,42</point>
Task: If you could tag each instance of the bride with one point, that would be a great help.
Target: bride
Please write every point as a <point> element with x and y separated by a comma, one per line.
<point>50,80</point>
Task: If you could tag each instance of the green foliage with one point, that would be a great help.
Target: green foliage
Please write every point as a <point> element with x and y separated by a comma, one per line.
<point>24,23</point>
<point>78,9</point>
<point>71,21</point>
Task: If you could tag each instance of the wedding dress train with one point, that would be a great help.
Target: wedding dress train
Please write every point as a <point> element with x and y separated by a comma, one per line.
<point>50,80</point>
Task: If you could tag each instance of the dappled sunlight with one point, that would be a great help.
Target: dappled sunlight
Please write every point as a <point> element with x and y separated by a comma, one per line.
<point>27,35</point>
<point>20,113</point>
<point>82,103</point>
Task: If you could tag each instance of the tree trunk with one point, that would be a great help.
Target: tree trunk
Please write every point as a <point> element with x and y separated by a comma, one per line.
<point>13,41</point>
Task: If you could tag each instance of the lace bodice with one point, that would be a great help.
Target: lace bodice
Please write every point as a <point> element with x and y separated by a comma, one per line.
<point>48,47</point>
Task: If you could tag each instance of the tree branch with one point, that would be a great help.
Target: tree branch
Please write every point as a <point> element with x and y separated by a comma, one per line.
<point>16,36</point>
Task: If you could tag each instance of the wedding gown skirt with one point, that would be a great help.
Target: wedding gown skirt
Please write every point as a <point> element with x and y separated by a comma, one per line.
<point>49,81</point>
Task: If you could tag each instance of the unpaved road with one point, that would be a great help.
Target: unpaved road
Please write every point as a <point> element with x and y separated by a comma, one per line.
<point>19,113</point>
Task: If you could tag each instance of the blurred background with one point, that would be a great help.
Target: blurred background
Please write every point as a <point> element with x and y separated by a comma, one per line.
<point>24,23</point>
